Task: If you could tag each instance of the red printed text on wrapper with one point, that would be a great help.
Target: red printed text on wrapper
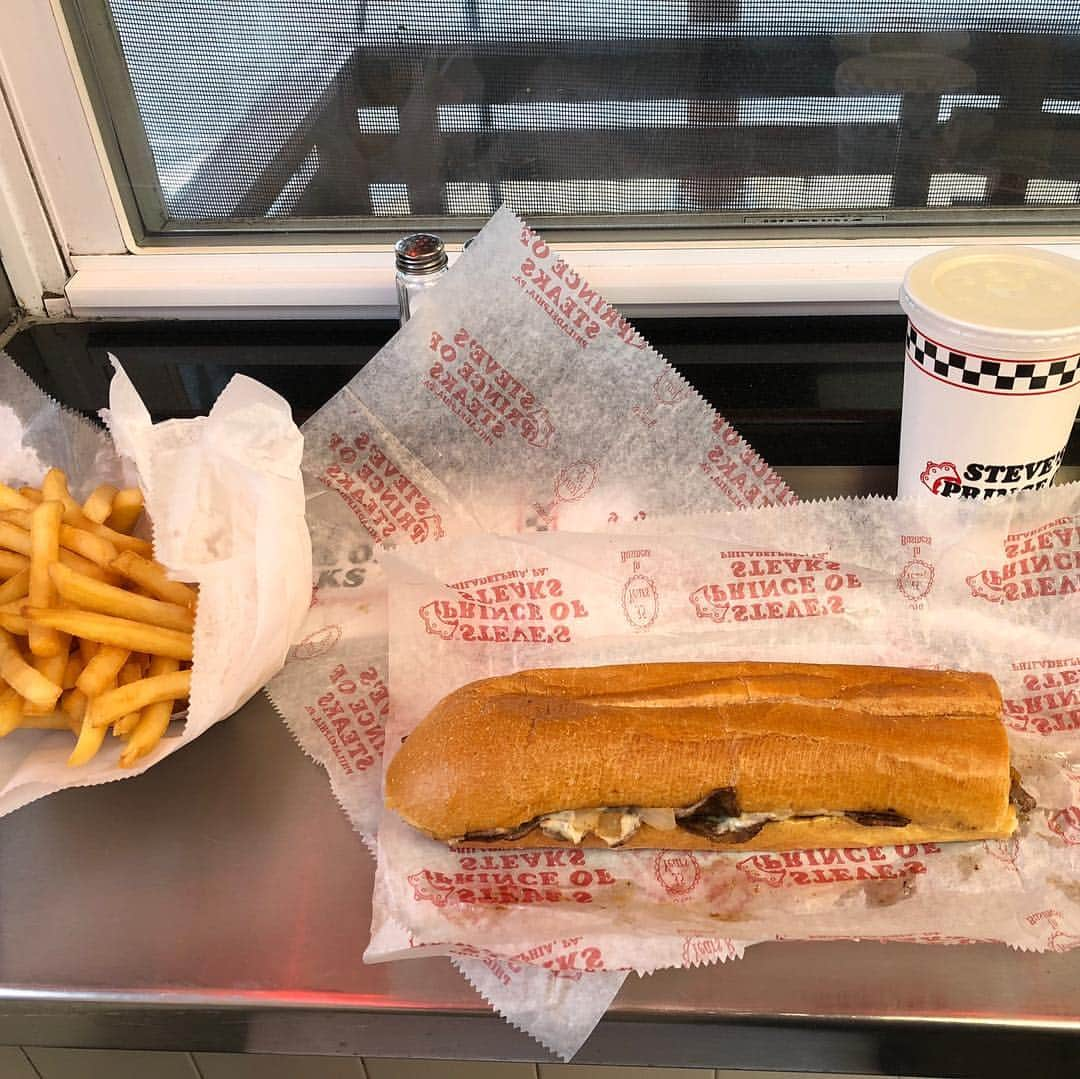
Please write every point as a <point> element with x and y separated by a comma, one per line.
<point>1047,701</point>
<point>739,473</point>
<point>699,950</point>
<point>798,868</point>
<point>498,878</point>
<point>518,606</point>
<point>572,304</point>
<point>483,394</point>
<point>1041,562</point>
<point>1058,935</point>
<point>755,585</point>
<point>383,499</point>
<point>351,714</point>
<point>569,957</point>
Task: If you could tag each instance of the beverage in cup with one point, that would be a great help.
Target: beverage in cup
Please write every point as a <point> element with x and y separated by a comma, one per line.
<point>992,371</point>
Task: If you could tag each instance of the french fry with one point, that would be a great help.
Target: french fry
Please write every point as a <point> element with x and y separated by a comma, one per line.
<point>73,705</point>
<point>18,674</point>
<point>98,550</point>
<point>72,669</point>
<point>12,564</point>
<point>12,618</point>
<point>10,499</point>
<point>126,507</point>
<point>123,727</point>
<point>99,503</point>
<point>46,721</point>
<point>151,577</point>
<point>114,703</point>
<point>53,669</point>
<point>130,672</point>
<point>91,595</point>
<point>54,487</point>
<point>71,569</point>
<point>11,706</point>
<point>105,629</point>
<point>90,738</point>
<point>44,551</point>
<point>15,587</point>
<point>15,535</point>
<point>153,719</point>
<point>102,669</point>
<point>121,541</point>
<point>14,538</point>
<point>86,567</point>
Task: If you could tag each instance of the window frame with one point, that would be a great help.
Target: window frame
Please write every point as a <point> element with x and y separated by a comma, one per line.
<point>109,270</point>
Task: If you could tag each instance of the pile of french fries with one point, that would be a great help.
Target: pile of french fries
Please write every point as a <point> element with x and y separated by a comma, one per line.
<point>93,634</point>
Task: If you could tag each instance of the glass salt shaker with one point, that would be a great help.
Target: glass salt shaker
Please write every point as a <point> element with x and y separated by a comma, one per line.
<point>420,259</point>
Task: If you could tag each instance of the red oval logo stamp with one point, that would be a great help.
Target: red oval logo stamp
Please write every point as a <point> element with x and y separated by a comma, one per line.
<point>915,579</point>
<point>678,872</point>
<point>640,602</point>
<point>318,643</point>
<point>576,480</point>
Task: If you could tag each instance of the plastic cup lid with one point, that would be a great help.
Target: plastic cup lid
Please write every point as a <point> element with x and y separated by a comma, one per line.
<point>1014,296</point>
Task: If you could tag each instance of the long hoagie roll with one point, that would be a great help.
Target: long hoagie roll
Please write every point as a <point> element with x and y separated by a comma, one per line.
<point>723,756</point>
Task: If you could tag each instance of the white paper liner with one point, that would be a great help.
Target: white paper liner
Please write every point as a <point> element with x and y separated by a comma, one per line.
<point>559,1011</point>
<point>590,436</point>
<point>549,431</point>
<point>974,586</point>
<point>225,497</point>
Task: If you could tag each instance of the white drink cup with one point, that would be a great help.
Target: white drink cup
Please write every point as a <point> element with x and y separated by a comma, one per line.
<point>992,371</point>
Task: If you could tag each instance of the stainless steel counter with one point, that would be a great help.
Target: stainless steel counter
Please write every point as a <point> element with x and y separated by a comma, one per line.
<point>221,902</point>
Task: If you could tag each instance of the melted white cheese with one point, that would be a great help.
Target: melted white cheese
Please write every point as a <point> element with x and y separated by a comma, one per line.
<point>617,825</point>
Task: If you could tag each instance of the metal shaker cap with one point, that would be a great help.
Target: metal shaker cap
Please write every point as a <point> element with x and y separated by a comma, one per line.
<point>420,253</point>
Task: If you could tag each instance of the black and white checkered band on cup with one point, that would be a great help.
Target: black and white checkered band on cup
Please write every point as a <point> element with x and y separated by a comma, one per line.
<point>989,375</point>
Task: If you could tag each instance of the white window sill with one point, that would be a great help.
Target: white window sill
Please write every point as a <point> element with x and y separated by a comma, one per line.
<point>853,278</point>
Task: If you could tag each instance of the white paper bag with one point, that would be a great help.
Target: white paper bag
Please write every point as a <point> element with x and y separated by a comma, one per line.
<point>224,495</point>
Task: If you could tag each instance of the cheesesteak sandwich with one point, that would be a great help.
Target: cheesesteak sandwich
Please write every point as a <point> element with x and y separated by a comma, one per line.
<point>711,756</point>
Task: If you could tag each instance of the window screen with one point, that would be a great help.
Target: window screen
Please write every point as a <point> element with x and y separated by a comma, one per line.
<point>263,113</point>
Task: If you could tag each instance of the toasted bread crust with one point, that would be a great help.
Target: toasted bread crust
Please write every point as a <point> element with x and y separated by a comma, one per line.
<point>929,745</point>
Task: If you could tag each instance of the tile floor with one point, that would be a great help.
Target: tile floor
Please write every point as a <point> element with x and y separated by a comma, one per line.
<point>29,1063</point>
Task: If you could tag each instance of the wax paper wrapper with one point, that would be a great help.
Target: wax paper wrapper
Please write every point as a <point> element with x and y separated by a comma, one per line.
<point>224,495</point>
<point>515,399</point>
<point>988,587</point>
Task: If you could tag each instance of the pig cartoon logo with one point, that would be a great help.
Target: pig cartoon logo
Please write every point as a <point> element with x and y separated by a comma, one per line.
<point>936,474</point>
<point>425,888</point>
<point>435,624</point>
<point>985,585</point>
<point>762,873</point>
<point>317,643</point>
